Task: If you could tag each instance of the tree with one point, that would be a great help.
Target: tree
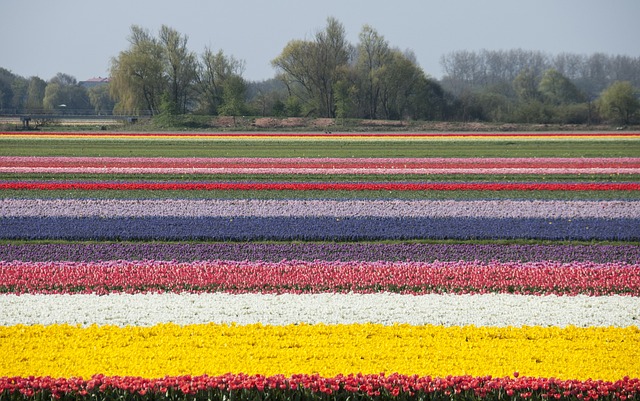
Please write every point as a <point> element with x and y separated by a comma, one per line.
<point>233,100</point>
<point>266,97</point>
<point>7,85</point>
<point>374,56</point>
<point>406,92</point>
<point>619,102</point>
<point>399,83</point>
<point>296,66</point>
<point>556,89</point>
<point>35,94</point>
<point>315,67</point>
<point>180,68</point>
<point>137,75</point>
<point>214,70</point>
<point>101,99</point>
<point>63,93</point>
<point>6,95</point>
<point>345,94</point>
<point>526,86</point>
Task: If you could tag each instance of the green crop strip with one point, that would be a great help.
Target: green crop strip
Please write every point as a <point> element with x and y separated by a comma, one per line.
<point>311,148</point>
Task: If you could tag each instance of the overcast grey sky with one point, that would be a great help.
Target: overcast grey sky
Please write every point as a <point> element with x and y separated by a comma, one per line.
<point>79,37</point>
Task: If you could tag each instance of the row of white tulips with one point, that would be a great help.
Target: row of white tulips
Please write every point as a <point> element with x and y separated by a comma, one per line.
<point>497,310</point>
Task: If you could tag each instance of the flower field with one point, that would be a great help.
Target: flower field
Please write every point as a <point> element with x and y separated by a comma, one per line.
<point>151,275</point>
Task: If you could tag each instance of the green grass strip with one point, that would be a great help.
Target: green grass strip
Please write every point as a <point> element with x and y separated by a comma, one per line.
<point>283,148</point>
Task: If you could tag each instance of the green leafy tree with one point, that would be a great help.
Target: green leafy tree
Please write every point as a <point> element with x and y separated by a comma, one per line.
<point>179,67</point>
<point>233,100</point>
<point>346,92</point>
<point>406,92</point>
<point>63,93</point>
<point>312,68</point>
<point>525,85</point>
<point>35,94</point>
<point>101,99</point>
<point>619,102</point>
<point>557,89</point>
<point>6,95</point>
<point>374,56</point>
<point>7,83</point>
<point>137,75</point>
<point>295,64</point>
<point>214,71</point>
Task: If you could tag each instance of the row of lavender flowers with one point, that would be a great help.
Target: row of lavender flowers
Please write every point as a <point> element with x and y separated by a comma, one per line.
<point>505,208</point>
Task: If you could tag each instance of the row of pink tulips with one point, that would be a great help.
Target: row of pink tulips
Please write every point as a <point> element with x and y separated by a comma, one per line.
<point>266,162</point>
<point>107,165</point>
<point>296,170</point>
<point>321,276</point>
<point>315,387</point>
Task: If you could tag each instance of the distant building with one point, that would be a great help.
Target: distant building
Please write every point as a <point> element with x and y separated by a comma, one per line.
<point>90,83</point>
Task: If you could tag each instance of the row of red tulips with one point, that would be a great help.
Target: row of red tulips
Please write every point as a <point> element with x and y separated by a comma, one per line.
<point>321,186</point>
<point>320,276</point>
<point>314,387</point>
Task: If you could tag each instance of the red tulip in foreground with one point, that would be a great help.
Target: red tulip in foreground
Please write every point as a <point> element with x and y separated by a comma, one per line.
<point>314,387</point>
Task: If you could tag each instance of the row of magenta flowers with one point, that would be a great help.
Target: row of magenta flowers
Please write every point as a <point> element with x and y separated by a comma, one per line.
<point>314,387</point>
<point>321,186</point>
<point>535,278</point>
<point>317,228</point>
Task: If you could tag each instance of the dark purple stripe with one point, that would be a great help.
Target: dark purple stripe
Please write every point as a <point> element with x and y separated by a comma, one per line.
<point>274,252</point>
<point>316,228</point>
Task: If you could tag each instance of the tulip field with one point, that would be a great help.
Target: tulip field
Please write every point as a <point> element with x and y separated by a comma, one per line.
<point>306,266</point>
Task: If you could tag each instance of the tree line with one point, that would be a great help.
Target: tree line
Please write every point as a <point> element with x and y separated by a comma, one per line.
<point>326,76</point>
<point>532,86</point>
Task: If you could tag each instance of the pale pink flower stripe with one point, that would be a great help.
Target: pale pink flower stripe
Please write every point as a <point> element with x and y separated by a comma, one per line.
<point>137,208</point>
<point>290,276</point>
<point>362,171</point>
<point>120,165</point>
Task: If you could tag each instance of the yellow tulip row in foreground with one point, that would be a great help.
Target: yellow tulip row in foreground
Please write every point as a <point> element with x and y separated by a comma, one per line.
<point>167,349</point>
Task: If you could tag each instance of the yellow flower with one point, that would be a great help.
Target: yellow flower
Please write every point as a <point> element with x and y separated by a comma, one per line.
<point>606,353</point>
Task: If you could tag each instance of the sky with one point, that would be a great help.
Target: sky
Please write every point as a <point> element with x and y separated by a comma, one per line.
<point>80,37</point>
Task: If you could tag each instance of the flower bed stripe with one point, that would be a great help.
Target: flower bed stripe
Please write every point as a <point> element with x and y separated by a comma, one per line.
<point>320,162</point>
<point>295,276</point>
<point>333,136</point>
<point>321,186</point>
<point>244,387</point>
<point>168,349</point>
<point>311,251</point>
<point>357,170</point>
<point>159,165</point>
<point>110,208</point>
<point>481,310</point>
<point>316,228</point>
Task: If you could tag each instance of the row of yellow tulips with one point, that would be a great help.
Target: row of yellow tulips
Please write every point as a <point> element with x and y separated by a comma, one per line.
<point>605,353</point>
